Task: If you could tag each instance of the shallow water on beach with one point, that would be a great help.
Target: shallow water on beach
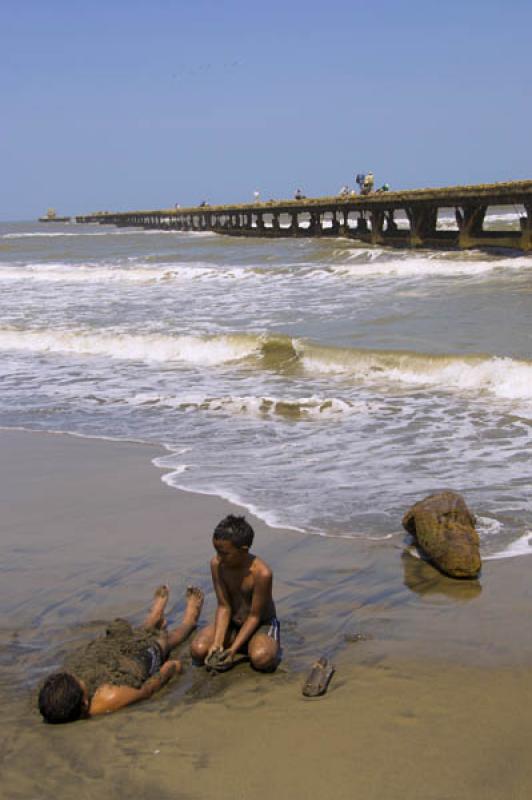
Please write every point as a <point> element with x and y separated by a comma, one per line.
<point>322,384</point>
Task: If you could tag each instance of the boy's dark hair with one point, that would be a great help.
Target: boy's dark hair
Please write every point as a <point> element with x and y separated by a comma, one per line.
<point>236,530</point>
<point>61,698</point>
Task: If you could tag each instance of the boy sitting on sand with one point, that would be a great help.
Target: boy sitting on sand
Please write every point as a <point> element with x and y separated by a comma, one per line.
<point>245,620</point>
<point>124,666</point>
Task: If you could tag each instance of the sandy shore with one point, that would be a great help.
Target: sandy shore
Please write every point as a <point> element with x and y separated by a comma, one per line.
<point>434,705</point>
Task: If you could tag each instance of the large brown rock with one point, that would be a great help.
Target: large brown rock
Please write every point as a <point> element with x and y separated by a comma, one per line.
<point>444,530</point>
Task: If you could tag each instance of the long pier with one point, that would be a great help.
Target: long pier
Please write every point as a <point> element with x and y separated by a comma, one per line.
<point>450,217</point>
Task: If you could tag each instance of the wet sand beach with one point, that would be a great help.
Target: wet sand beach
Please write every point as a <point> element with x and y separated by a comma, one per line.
<point>432,705</point>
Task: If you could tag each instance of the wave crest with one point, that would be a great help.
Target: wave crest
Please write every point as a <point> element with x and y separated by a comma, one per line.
<point>98,273</point>
<point>426,266</point>
<point>205,350</point>
<point>499,376</point>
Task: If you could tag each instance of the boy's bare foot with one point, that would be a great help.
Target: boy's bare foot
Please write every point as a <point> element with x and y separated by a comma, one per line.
<point>156,618</point>
<point>194,600</point>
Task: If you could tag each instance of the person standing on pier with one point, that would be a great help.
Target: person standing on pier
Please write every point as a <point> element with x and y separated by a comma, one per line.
<point>359,180</point>
<point>367,186</point>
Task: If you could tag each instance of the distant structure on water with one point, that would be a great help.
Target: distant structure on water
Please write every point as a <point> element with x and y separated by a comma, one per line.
<point>51,216</point>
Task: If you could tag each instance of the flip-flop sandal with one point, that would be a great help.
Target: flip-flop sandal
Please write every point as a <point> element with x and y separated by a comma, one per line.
<point>318,678</point>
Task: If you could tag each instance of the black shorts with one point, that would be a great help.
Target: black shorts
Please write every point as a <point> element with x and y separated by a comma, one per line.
<point>153,659</point>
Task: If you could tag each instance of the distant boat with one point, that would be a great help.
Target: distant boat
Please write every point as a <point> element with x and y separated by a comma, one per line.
<point>51,216</point>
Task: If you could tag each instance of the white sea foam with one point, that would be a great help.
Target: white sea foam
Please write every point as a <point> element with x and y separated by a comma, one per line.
<point>359,253</point>
<point>71,273</point>
<point>447,222</point>
<point>31,235</point>
<point>520,547</point>
<point>358,265</point>
<point>313,407</point>
<point>488,527</point>
<point>137,273</point>
<point>173,462</point>
<point>433,266</point>
<point>148,347</point>
<point>106,232</point>
<point>48,235</point>
<point>508,217</point>
<point>501,377</point>
<point>270,517</point>
<point>93,273</point>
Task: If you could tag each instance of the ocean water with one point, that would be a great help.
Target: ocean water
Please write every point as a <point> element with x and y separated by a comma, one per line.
<point>322,384</point>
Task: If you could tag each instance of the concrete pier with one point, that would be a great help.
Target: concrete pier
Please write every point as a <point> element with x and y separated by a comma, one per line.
<point>450,217</point>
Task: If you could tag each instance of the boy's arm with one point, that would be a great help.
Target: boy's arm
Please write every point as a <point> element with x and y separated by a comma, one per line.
<point>108,698</point>
<point>260,601</point>
<point>223,610</point>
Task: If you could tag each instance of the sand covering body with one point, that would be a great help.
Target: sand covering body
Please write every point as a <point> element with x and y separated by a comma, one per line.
<point>120,657</point>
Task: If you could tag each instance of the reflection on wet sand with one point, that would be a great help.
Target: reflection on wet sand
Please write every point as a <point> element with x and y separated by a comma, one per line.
<point>423,579</point>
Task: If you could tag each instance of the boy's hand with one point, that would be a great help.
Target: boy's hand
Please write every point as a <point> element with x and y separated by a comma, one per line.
<point>225,660</point>
<point>219,660</point>
<point>214,648</point>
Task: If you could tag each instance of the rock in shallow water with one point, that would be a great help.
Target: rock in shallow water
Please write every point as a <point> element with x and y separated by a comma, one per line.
<point>444,530</point>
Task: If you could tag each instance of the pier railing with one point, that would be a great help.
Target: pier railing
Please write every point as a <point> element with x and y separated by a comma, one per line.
<point>447,217</point>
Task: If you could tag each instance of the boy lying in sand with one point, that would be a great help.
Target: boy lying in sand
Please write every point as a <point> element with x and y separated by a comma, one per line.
<point>124,666</point>
<point>245,620</point>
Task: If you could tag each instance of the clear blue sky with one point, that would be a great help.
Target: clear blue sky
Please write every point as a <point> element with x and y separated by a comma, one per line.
<point>123,105</point>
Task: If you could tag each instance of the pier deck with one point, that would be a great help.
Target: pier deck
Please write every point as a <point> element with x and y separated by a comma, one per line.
<point>413,218</point>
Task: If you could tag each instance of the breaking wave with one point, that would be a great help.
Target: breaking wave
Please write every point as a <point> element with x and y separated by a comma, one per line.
<point>148,347</point>
<point>353,264</point>
<point>427,266</point>
<point>500,376</point>
<point>497,376</point>
<point>107,232</point>
<point>94,273</point>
